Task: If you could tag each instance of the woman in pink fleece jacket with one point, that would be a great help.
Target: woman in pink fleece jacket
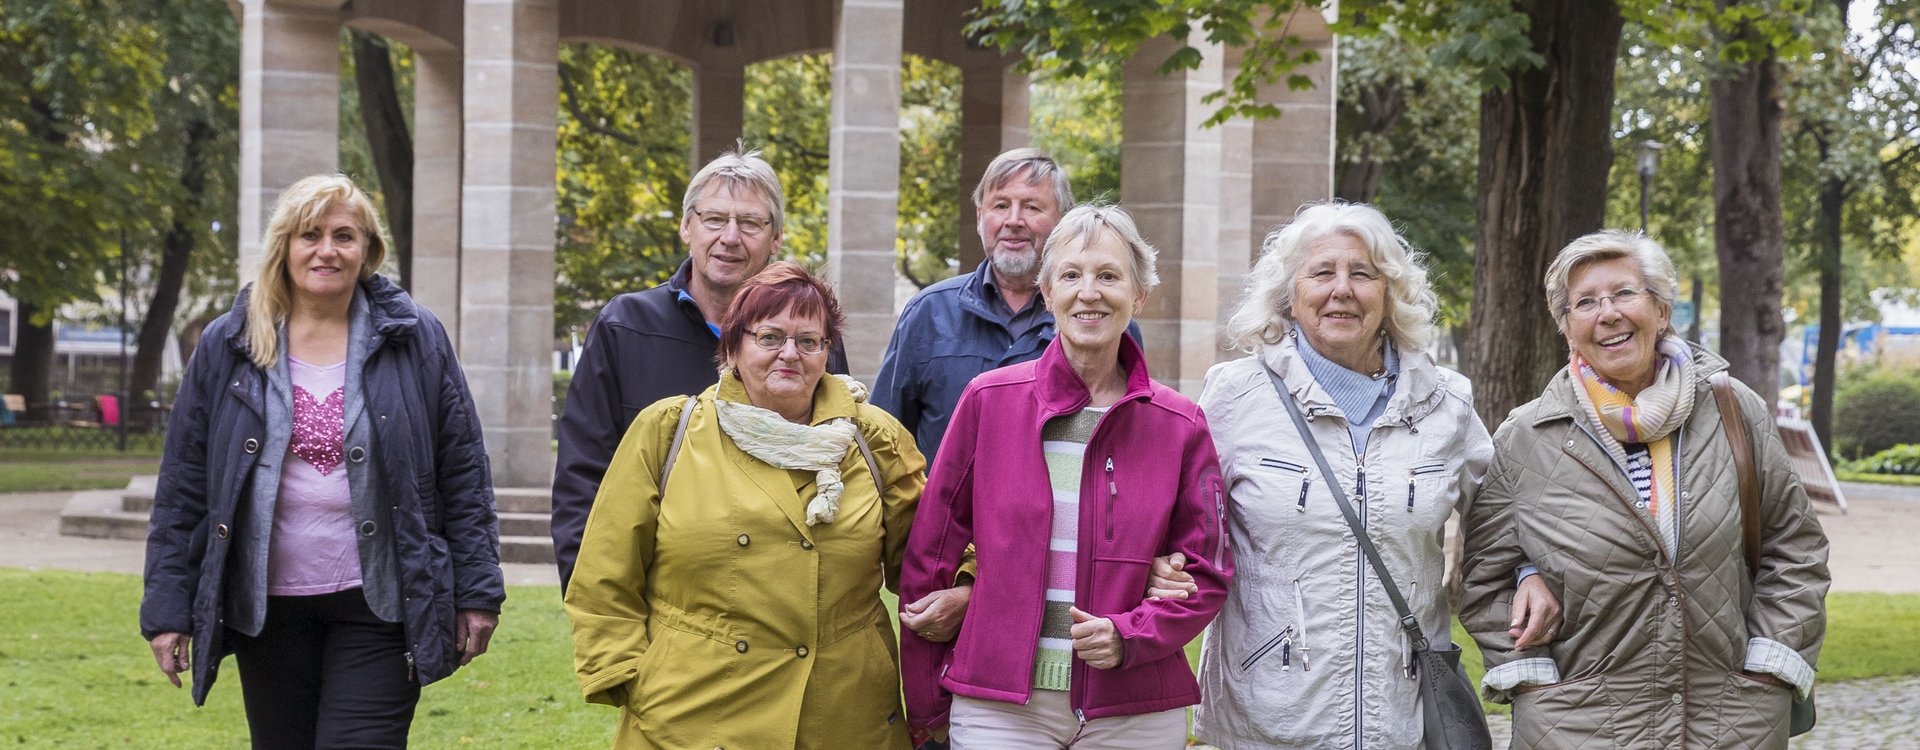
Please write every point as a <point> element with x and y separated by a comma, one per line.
<point>1069,475</point>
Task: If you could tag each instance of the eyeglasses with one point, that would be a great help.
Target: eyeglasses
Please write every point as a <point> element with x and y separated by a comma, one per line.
<point>772,340</point>
<point>1625,299</point>
<point>716,221</point>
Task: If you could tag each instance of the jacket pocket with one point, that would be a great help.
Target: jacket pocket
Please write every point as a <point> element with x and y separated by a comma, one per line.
<point>1290,469</point>
<point>1279,646</point>
<point>1417,473</point>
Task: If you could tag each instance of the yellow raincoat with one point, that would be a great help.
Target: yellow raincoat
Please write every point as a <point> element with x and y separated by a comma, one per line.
<point>715,617</point>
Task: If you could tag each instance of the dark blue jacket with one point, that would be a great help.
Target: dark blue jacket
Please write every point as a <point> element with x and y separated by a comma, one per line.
<point>643,347</point>
<point>431,477</point>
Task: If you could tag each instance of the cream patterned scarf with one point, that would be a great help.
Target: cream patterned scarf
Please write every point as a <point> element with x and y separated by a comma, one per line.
<point>1648,418</point>
<point>769,437</point>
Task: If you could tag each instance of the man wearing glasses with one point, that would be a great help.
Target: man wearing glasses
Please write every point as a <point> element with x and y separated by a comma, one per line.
<point>646,346</point>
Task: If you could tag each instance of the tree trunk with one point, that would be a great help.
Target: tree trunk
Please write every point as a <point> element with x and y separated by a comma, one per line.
<point>32,372</point>
<point>1748,232</point>
<point>389,141</point>
<point>176,251</point>
<point>1378,109</point>
<point>1833,202</point>
<point>1544,153</point>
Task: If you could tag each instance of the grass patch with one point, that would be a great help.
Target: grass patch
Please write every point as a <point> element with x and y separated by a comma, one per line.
<point>1901,480</point>
<point>35,470</point>
<point>76,673</point>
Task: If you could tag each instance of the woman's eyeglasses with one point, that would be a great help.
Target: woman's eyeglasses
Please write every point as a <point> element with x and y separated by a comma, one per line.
<point>772,340</point>
<point>1625,299</point>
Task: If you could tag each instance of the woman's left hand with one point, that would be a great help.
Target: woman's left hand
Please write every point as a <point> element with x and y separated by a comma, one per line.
<point>474,628</point>
<point>1536,614</point>
<point>1096,641</point>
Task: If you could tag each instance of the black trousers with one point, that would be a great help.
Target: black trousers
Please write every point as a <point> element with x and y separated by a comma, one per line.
<point>325,673</point>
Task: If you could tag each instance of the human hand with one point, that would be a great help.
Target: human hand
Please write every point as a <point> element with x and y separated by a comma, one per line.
<point>473,630</point>
<point>1169,578</point>
<point>937,616</point>
<point>1095,640</point>
<point>1536,614</point>
<point>170,652</point>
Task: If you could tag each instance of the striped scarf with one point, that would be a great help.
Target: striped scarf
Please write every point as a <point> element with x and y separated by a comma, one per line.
<point>1650,418</point>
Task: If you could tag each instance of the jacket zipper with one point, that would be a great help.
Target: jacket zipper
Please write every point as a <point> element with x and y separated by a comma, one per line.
<point>1300,606</point>
<point>1281,640</point>
<point>1113,497</point>
<point>1360,609</point>
<point>1219,523</point>
<point>410,672</point>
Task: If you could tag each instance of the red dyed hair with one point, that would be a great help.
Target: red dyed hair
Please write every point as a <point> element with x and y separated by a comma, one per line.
<point>783,287</point>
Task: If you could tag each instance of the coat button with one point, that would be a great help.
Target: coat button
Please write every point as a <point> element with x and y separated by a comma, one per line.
<point>357,454</point>
<point>251,446</point>
<point>1673,601</point>
<point>221,531</point>
<point>744,540</point>
<point>740,646</point>
<point>800,652</point>
<point>367,528</point>
<point>806,544</point>
<point>1676,698</point>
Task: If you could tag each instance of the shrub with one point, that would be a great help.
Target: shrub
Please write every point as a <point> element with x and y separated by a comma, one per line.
<point>1900,459</point>
<point>1877,413</point>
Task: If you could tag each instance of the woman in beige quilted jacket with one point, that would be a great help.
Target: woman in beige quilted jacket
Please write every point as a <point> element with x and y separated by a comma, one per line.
<point>1618,483</point>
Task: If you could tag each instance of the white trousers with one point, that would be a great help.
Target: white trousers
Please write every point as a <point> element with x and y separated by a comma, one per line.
<point>1048,721</point>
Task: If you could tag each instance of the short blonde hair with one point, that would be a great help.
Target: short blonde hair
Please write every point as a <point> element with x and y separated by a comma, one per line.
<point>1080,226</point>
<point>1265,313</point>
<point>300,208</point>
<point>1656,269</point>
<point>736,168</point>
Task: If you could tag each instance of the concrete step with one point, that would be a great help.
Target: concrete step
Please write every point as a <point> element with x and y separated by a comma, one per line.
<point>527,549</point>
<point>523,500</point>
<point>138,496</point>
<point>98,515</point>
<point>526,524</point>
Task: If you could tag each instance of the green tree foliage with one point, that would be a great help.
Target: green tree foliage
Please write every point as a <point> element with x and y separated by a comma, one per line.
<point>788,114</point>
<point>622,169</point>
<point>1075,117</point>
<point>929,169</point>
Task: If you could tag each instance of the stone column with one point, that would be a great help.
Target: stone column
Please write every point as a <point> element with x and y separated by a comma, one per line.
<point>1170,179</point>
<point>1015,116</point>
<point>719,106</point>
<point>863,176</point>
<point>289,104</point>
<point>506,230</point>
<point>1293,154</point>
<point>1239,239</point>
<point>984,131</point>
<point>436,184</point>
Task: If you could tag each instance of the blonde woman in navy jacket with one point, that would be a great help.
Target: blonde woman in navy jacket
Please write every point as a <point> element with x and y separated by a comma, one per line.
<point>1070,474</point>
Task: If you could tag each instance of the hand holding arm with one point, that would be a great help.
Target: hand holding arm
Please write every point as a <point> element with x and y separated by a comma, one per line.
<point>936,617</point>
<point>1535,614</point>
<point>1096,641</point>
<point>1169,578</point>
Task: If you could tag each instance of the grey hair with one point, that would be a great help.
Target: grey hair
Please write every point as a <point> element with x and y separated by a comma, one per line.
<point>737,168</point>
<point>1265,313</point>
<point>1656,269</point>
<point>1085,222</point>
<point>1038,166</point>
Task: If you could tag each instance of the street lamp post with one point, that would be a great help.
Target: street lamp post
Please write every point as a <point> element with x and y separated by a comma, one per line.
<point>1649,160</point>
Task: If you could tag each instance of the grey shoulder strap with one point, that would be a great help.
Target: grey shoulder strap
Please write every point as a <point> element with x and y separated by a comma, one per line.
<point>679,435</point>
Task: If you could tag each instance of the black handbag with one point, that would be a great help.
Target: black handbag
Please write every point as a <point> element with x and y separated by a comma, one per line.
<point>1450,707</point>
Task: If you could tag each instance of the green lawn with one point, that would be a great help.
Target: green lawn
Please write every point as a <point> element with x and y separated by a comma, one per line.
<point>76,674</point>
<point>71,470</point>
<point>1903,480</point>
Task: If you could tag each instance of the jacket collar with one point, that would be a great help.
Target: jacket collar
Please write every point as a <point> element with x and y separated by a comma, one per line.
<point>390,312</point>
<point>1558,401</point>
<point>979,295</point>
<point>1060,389</point>
<point>1416,393</point>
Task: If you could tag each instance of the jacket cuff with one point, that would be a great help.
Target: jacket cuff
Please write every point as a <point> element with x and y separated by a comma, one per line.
<point>1502,679</point>
<point>1773,657</point>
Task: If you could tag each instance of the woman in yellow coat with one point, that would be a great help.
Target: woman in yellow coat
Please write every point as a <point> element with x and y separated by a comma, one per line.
<point>740,607</point>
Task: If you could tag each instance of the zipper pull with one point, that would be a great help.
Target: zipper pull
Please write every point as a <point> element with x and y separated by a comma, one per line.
<point>1109,464</point>
<point>1286,654</point>
<point>410,672</point>
<point>1302,504</point>
<point>1304,665</point>
<point>1409,493</point>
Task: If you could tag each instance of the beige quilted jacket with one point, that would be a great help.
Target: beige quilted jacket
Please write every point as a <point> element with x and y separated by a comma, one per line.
<point>1651,651</point>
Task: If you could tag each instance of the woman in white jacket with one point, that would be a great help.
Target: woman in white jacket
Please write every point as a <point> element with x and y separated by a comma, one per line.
<point>1308,652</point>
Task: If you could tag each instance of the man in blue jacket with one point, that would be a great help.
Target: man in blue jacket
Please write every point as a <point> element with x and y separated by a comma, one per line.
<point>650,345</point>
<point>988,319</point>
